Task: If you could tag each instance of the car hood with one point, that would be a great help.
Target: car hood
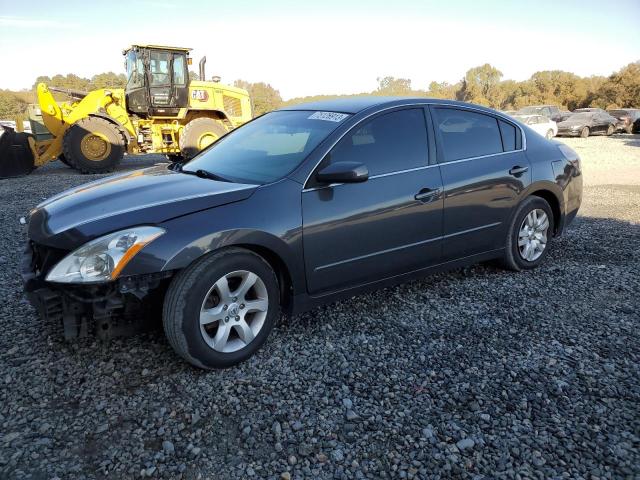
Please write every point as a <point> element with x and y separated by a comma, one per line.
<point>148,196</point>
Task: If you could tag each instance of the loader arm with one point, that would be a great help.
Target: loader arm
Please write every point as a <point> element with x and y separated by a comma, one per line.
<point>59,118</point>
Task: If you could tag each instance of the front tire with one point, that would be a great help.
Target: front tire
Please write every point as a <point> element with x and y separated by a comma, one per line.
<point>529,235</point>
<point>198,134</point>
<point>93,145</point>
<point>219,311</point>
<point>610,130</point>
<point>549,135</point>
<point>584,133</point>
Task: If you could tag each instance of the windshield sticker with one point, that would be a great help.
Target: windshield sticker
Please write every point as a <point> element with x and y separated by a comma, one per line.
<point>328,116</point>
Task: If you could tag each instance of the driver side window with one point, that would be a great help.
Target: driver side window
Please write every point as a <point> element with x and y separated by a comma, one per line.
<point>159,66</point>
<point>389,143</point>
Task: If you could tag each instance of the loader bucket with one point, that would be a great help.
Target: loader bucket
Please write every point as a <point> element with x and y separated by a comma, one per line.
<point>16,156</point>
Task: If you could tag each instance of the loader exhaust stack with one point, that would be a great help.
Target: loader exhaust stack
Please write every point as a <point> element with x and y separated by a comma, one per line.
<point>201,73</point>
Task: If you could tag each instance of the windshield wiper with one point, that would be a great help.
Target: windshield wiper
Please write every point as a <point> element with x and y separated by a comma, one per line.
<point>205,174</point>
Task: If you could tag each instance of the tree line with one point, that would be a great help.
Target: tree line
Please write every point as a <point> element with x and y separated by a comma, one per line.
<point>483,85</point>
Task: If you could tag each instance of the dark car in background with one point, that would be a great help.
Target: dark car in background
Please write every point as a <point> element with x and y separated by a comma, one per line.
<point>585,122</point>
<point>629,119</point>
<point>297,208</point>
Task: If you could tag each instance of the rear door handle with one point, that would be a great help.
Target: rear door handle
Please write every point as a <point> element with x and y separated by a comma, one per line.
<point>427,194</point>
<point>517,170</point>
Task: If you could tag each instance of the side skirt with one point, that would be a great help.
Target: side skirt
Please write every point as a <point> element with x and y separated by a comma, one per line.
<point>304,302</point>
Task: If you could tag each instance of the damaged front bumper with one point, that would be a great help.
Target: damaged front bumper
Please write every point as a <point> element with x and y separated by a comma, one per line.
<point>120,308</point>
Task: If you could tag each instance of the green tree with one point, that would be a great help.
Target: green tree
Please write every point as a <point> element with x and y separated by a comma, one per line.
<point>393,86</point>
<point>11,106</point>
<point>480,85</point>
<point>108,80</point>
<point>442,90</point>
<point>621,89</point>
<point>263,96</point>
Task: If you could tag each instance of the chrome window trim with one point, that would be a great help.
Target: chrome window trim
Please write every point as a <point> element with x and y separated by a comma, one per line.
<point>421,105</point>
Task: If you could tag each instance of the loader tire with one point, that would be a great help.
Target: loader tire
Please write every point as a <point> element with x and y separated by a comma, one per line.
<point>93,145</point>
<point>198,135</point>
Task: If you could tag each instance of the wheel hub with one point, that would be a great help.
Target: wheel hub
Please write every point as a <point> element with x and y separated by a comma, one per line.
<point>234,311</point>
<point>95,146</point>
<point>206,139</point>
<point>532,236</point>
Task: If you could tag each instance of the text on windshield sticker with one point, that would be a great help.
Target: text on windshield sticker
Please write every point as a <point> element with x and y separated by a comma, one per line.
<point>328,116</point>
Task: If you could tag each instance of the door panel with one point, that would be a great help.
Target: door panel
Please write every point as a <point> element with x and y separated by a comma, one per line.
<point>484,170</point>
<point>362,232</point>
<point>480,195</point>
<point>356,233</point>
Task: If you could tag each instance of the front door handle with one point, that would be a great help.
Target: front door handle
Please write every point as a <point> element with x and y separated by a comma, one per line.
<point>427,194</point>
<point>517,170</point>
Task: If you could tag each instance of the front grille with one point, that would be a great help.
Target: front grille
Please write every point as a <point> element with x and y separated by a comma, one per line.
<point>232,106</point>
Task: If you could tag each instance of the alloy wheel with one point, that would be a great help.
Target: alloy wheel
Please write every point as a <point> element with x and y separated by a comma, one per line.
<point>532,236</point>
<point>234,311</point>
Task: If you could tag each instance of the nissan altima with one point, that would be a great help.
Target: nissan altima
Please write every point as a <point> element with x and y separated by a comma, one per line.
<point>299,207</point>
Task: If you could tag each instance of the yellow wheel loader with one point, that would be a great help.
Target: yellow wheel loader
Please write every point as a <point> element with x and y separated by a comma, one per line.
<point>159,111</point>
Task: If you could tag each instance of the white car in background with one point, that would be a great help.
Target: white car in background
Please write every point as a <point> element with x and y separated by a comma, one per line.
<point>539,123</point>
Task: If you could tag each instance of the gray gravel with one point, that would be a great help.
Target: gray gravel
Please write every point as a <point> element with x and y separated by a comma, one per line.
<point>478,373</point>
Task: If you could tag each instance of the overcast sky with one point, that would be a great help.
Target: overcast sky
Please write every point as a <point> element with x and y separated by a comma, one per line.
<point>322,47</point>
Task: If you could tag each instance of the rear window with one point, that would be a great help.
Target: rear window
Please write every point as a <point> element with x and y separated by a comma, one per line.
<point>508,132</point>
<point>467,134</point>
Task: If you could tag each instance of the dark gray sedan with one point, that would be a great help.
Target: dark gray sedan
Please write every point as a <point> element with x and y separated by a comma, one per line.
<point>299,207</point>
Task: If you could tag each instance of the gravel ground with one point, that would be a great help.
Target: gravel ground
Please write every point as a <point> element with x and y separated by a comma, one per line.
<point>478,373</point>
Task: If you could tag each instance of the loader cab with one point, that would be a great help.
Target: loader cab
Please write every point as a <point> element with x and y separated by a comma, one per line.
<point>157,80</point>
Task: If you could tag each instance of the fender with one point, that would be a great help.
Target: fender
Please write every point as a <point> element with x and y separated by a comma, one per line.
<point>110,119</point>
<point>547,187</point>
<point>255,240</point>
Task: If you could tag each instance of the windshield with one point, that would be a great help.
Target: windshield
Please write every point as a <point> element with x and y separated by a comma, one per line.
<point>135,70</point>
<point>267,148</point>
<point>580,116</point>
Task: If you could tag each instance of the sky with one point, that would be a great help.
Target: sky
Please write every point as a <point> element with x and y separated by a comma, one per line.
<point>322,47</point>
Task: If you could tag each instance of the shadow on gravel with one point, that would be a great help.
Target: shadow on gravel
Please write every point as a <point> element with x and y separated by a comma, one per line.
<point>478,371</point>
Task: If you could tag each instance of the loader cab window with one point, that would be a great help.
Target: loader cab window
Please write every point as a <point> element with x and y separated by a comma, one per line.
<point>178,70</point>
<point>135,71</point>
<point>159,68</point>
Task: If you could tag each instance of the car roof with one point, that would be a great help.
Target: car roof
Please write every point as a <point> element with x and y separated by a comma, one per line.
<point>358,104</point>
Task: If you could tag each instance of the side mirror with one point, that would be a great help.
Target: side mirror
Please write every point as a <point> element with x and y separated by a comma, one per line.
<point>343,172</point>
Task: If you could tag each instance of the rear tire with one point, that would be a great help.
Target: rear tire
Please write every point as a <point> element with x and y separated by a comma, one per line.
<point>520,231</point>
<point>629,129</point>
<point>610,130</point>
<point>198,134</point>
<point>94,145</point>
<point>196,290</point>
<point>584,133</point>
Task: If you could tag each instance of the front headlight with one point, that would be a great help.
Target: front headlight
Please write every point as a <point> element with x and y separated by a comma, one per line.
<point>103,259</point>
